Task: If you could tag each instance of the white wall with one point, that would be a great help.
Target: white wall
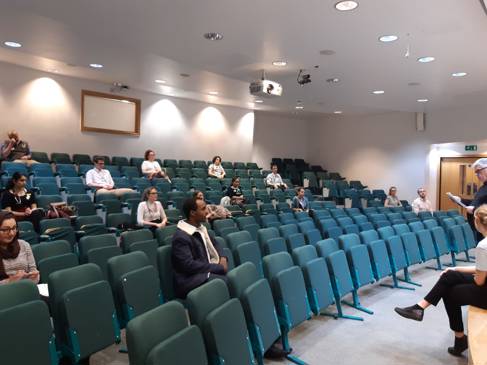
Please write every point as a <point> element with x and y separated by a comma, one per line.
<point>384,150</point>
<point>45,109</point>
<point>279,135</point>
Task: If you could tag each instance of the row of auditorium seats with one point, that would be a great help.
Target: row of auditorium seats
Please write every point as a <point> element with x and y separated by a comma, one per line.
<point>279,266</point>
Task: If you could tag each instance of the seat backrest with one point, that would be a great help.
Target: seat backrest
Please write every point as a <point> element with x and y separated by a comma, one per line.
<point>304,254</point>
<point>288,229</point>
<point>275,263</point>
<point>347,241</point>
<point>206,298</point>
<point>149,343</point>
<point>51,248</point>
<point>326,247</point>
<point>237,238</point>
<point>369,236</point>
<point>49,265</point>
<point>100,256</point>
<point>401,228</point>
<point>416,226</point>
<point>129,237</point>
<point>17,293</point>
<point>386,232</point>
<point>88,243</point>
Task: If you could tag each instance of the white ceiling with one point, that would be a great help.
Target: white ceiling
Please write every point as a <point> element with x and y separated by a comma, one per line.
<point>140,41</point>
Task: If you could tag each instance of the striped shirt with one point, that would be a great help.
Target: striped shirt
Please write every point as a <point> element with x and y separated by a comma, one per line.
<point>24,261</point>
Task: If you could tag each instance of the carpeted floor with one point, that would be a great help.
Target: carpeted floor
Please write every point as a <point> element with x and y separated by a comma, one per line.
<point>383,338</point>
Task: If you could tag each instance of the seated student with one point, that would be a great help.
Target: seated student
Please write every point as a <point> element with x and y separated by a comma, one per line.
<point>274,180</point>
<point>458,286</point>
<point>300,203</point>
<point>421,203</point>
<point>20,201</point>
<point>196,257</point>
<point>101,179</point>
<point>235,193</point>
<point>151,168</point>
<point>214,211</point>
<point>392,200</point>
<point>150,211</point>
<point>216,169</point>
<point>16,258</point>
<point>16,150</point>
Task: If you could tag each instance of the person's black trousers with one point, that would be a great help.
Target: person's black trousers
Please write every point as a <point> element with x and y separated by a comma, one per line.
<point>457,289</point>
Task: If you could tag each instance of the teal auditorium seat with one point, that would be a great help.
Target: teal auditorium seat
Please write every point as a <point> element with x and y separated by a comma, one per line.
<point>135,285</point>
<point>222,322</point>
<point>81,305</point>
<point>25,320</point>
<point>398,258</point>
<point>289,292</point>
<point>317,279</point>
<point>174,343</point>
<point>326,247</point>
<point>256,298</point>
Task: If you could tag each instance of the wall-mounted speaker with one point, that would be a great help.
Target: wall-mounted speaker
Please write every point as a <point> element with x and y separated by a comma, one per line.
<point>420,127</point>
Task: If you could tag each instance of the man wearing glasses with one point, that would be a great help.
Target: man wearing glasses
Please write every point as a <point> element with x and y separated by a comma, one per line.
<point>101,179</point>
<point>480,169</point>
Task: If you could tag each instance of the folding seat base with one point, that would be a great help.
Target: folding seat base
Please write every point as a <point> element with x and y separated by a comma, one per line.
<point>346,316</point>
<point>407,278</point>
<point>439,265</point>
<point>356,303</point>
<point>395,284</point>
<point>287,348</point>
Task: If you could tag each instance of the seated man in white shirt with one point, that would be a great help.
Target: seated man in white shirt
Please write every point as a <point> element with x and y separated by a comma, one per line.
<point>101,179</point>
<point>274,180</point>
<point>421,203</point>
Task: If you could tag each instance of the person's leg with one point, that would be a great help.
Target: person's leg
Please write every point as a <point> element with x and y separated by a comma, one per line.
<point>35,217</point>
<point>446,281</point>
<point>120,192</point>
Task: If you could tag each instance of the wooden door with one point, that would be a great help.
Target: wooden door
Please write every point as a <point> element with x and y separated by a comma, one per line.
<point>457,177</point>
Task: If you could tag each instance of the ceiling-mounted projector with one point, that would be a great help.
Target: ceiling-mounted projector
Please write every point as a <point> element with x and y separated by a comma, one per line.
<point>265,88</point>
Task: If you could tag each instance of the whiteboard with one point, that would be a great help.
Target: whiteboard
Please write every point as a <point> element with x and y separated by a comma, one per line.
<point>107,113</point>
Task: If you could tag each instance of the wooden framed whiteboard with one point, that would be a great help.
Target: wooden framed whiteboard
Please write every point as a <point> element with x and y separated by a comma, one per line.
<point>107,113</point>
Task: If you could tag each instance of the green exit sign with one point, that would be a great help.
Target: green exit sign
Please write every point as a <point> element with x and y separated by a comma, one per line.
<point>471,147</point>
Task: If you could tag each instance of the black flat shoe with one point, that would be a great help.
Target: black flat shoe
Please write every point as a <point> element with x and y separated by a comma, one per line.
<point>275,352</point>
<point>461,344</point>
<point>412,312</point>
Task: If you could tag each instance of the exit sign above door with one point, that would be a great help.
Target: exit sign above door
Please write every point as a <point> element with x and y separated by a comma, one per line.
<point>471,147</point>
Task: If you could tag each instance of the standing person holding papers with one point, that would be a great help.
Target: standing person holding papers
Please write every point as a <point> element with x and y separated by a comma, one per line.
<point>480,169</point>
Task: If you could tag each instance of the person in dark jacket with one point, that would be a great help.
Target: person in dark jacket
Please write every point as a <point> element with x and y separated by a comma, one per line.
<point>196,257</point>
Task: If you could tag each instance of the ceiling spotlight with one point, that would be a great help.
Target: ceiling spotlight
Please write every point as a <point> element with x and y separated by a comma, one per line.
<point>333,80</point>
<point>426,59</point>
<point>160,81</point>
<point>96,65</point>
<point>327,52</point>
<point>213,92</point>
<point>279,63</point>
<point>12,44</point>
<point>422,100</point>
<point>388,38</point>
<point>213,36</point>
<point>413,83</point>
<point>378,92</point>
<point>184,75</point>
<point>459,74</point>
<point>299,107</point>
<point>259,101</point>
<point>337,112</point>
<point>346,5</point>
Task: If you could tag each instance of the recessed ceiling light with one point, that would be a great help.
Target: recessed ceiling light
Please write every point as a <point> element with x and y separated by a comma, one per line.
<point>259,101</point>
<point>299,107</point>
<point>184,75</point>
<point>346,5</point>
<point>333,80</point>
<point>337,112</point>
<point>160,81</point>
<point>279,63</point>
<point>12,44</point>
<point>96,65</point>
<point>388,38</point>
<point>413,83</point>
<point>422,100</point>
<point>378,92</point>
<point>426,59</point>
<point>213,36</point>
<point>459,74</point>
<point>213,92</point>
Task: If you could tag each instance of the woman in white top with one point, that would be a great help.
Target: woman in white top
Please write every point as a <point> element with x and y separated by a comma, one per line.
<point>216,169</point>
<point>392,200</point>
<point>458,286</point>
<point>150,211</point>
<point>151,168</point>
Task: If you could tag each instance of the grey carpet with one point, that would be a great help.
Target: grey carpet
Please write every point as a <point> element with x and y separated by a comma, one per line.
<point>383,338</point>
